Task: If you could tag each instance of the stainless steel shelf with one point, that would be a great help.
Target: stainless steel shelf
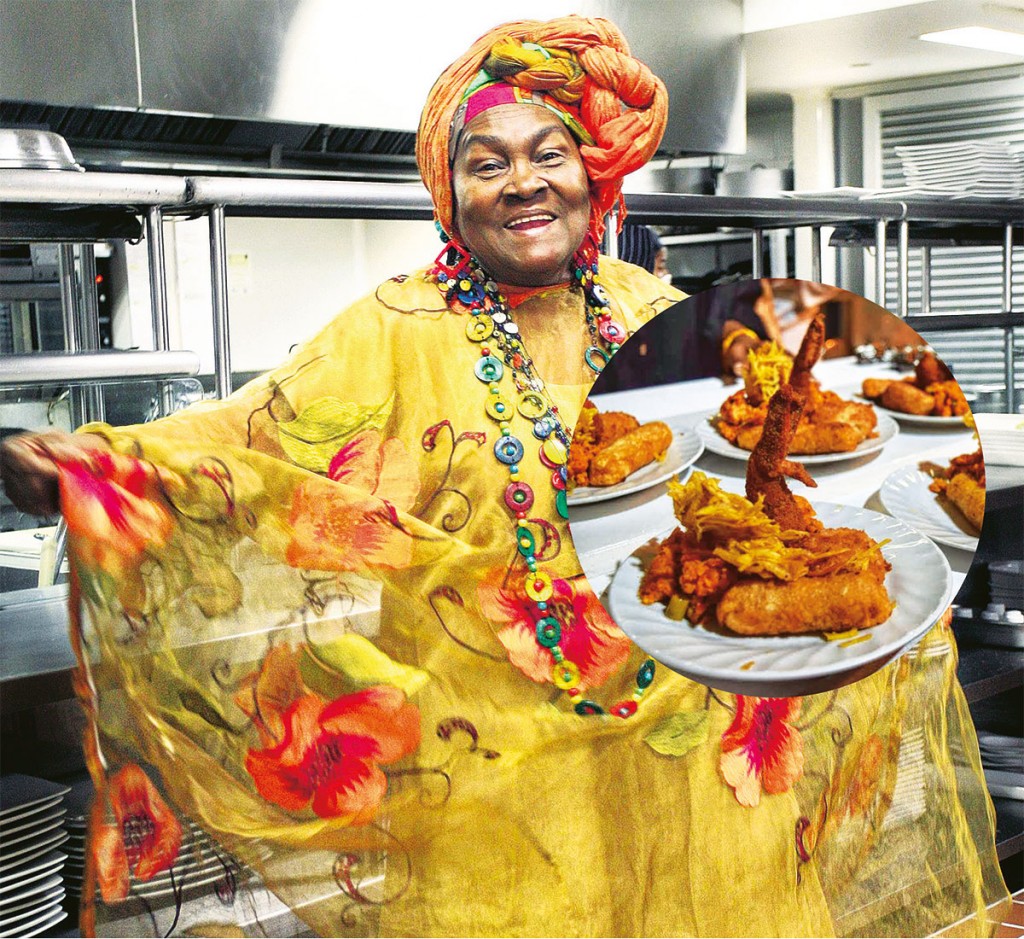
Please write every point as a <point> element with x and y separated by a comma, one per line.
<point>69,368</point>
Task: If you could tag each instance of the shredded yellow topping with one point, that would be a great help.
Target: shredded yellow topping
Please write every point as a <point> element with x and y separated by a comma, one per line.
<point>835,637</point>
<point>768,366</point>
<point>863,637</point>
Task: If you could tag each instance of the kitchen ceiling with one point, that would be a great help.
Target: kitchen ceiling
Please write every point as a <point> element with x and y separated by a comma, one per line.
<point>866,47</point>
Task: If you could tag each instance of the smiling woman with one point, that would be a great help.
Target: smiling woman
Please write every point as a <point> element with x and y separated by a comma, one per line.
<point>482,752</point>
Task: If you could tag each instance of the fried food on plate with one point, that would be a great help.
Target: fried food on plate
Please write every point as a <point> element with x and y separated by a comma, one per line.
<point>630,452</point>
<point>931,392</point>
<point>830,424</point>
<point>963,483</point>
<point>764,565</point>
<point>608,446</point>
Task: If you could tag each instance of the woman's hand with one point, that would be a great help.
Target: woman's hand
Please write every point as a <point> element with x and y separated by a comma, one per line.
<point>28,466</point>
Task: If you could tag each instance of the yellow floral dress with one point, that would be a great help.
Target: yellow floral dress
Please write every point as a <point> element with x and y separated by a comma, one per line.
<point>302,627</point>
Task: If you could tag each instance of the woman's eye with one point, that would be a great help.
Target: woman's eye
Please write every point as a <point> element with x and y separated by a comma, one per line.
<point>550,156</point>
<point>488,168</point>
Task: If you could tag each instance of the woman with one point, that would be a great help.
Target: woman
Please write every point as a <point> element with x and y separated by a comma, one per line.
<point>487,754</point>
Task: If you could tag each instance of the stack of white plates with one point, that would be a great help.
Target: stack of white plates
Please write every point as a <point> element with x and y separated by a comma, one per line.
<point>977,168</point>
<point>1002,438</point>
<point>31,830</point>
<point>200,862</point>
<point>1006,583</point>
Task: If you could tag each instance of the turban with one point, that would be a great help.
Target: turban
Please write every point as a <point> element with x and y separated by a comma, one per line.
<point>585,65</point>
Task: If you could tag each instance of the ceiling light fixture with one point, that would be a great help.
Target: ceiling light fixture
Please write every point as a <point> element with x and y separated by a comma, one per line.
<point>980,37</point>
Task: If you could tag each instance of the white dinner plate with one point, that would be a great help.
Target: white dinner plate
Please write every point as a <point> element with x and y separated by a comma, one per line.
<point>13,881</point>
<point>30,892</point>
<point>685,449</point>
<point>54,891</point>
<point>887,429</point>
<point>19,792</point>
<point>781,666</point>
<point>46,920</point>
<point>34,907</point>
<point>30,833</point>
<point>34,821</point>
<point>29,851</point>
<point>25,814</point>
<point>906,496</point>
<point>919,420</point>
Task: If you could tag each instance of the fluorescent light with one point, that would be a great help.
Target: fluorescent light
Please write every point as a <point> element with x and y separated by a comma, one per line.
<point>980,37</point>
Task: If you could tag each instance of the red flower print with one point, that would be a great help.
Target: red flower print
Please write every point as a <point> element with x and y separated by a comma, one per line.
<point>380,467</point>
<point>761,750</point>
<point>115,505</point>
<point>330,751</point>
<point>146,835</point>
<point>590,637</point>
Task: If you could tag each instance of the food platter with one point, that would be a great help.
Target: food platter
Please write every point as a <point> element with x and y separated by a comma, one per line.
<point>887,429</point>
<point>955,422</point>
<point>905,496</point>
<point>920,582</point>
<point>685,449</point>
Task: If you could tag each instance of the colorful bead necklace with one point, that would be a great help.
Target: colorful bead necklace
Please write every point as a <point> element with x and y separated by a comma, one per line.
<point>464,282</point>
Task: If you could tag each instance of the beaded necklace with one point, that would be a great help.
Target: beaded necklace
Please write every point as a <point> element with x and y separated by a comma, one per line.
<point>463,281</point>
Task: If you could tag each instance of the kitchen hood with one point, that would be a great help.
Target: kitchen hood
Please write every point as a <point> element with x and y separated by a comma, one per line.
<point>311,85</point>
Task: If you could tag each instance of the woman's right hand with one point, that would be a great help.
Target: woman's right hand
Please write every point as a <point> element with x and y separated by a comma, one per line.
<point>28,466</point>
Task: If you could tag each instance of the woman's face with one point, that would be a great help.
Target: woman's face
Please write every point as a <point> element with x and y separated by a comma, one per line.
<point>522,204</point>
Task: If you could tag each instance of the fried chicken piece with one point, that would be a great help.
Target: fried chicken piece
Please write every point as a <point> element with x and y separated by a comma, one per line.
<point>610,426</point>
<point>661,579</point>
<point>930,370</point>
<point>949,399</point>
<point>874,388</point>
<point>904,397</point>
<point>768,467</point>
<point>825,437</point>
<point>628,453</point>
<point>755,607</point>
<point>969,497</point>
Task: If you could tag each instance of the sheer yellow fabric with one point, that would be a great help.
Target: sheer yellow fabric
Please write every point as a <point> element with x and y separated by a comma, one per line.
<point>301,619</point>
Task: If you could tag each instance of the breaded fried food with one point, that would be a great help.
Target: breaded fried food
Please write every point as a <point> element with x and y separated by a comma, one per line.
<point>609,426</point>
<point>629,452</point>
<point>949,399</point>
<point>595,431</point>
<point>905,397</point>
<point>969,497</point>
<point>754,607</point>
<point>874,388</point>
<point>963,483</point>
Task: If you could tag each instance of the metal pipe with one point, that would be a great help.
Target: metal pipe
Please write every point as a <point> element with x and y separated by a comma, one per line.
<point>1009,351</point>
<point>77,368</point>
<point>70,305</point>
<point>816,253</point>
<point>926,280</point>
<point>219,291</point>
<point>903,267</point>
<point>757,249</point>
<point>91,188</point>
<point>157,278</point>
<point>880,263</point>
<point>611,235</point>
<point>90,326</point>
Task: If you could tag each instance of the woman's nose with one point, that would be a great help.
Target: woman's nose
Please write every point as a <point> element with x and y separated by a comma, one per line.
<point>525,180</point>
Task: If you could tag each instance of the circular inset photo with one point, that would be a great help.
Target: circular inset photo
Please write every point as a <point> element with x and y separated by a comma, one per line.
<point>776,487</point>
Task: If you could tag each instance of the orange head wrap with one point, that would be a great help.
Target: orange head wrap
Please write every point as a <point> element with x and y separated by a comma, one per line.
<point>622,104</point>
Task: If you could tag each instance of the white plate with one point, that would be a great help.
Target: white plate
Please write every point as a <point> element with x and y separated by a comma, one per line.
<point>30,893</point>
<point>905,496</point>
<point>29,850</point>
<point>685,449</point>
<point>919,420</point>
<point>887,429</point>
<point>13,881</point>
<point>31,833</point>
<point>34,907</point>
<point>24,815</point>
<point>54,891</point>
<point>920,582</point>
<point>34,927</point>
<point>19,792</point>
<point>34,820</point>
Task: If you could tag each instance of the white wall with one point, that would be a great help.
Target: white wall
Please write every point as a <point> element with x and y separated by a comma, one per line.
<point>286,279</point>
